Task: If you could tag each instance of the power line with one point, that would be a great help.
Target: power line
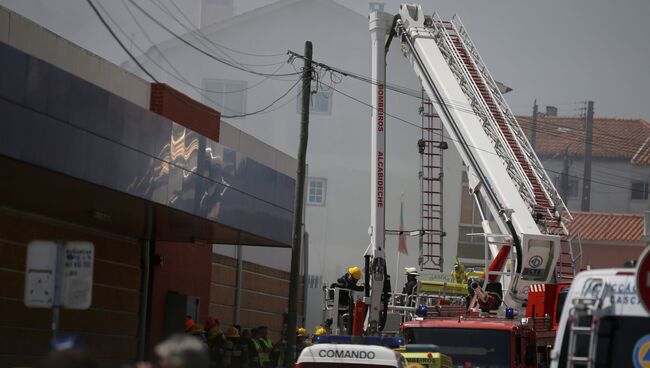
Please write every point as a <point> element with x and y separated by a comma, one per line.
<point>477,148</point>
<point>108,28</point>
<point>171,91</point>
<point>204,36</point>
<point>162,55</point>
<point>200,50</point>
<point>459,106</point>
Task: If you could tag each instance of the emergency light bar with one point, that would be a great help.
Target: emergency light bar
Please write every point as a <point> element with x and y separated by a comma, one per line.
<point>389,342</point>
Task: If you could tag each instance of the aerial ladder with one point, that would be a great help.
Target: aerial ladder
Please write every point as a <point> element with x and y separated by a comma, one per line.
<point>512,192</point>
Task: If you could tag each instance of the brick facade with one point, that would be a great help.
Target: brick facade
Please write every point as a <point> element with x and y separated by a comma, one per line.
<point>264,295</point>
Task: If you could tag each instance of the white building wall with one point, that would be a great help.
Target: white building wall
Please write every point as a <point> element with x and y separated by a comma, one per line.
<point>611,181</point>
<point>339,143</point>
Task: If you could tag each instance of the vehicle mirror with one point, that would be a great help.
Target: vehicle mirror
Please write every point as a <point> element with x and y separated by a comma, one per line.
<point>531,355</point>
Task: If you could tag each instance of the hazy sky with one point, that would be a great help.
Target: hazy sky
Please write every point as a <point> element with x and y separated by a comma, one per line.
<point>556,51</point>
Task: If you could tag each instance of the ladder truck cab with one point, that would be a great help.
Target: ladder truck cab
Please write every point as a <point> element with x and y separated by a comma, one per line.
<point>488,337</point>
<point>604,323</point>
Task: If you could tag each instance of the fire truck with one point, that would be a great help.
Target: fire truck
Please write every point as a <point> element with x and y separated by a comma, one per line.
<point>507,318</point>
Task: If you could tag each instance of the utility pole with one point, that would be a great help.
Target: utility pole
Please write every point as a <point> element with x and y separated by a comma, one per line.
<point>586,181</point>
<point>564,177</point>
<point>533,126</point>
<point>292,315</point>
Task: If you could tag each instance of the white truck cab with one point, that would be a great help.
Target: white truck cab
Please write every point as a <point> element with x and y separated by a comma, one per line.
<point>603,323</point>
<point>349,356</point>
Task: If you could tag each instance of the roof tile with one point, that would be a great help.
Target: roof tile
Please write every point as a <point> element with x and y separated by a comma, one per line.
<point>625,227</point>
<point>612,138</point>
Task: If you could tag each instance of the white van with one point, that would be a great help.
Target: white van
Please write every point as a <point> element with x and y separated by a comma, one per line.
<point>603,323</point>
<point>349,356</point>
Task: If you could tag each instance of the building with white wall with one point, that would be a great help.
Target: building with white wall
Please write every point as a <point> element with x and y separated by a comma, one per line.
<point>620,172</point>
<point>338,195</point>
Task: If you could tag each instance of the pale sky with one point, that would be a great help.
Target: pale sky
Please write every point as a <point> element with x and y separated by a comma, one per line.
<point>556,51</point>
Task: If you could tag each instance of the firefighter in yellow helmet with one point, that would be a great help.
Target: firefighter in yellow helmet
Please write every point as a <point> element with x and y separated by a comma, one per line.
<point>320,331</point>
<point>235,350</point>
<point>350,279</point>
<point>349,282</point>
<point>302,340</point>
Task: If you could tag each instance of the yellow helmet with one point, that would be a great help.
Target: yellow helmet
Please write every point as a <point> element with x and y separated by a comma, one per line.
<point>301,331</point>
<point>355,272</point>
<point>214,331</point>
<point>320,331</point>
<point>231,332</point>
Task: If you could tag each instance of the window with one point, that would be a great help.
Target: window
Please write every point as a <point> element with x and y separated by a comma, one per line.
<point>317,190</point>
<point>320,101</point>
<point>639,190</point>
<point>226,96</point>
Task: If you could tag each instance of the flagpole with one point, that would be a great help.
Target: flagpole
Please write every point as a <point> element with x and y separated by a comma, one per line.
<point>397,272</point>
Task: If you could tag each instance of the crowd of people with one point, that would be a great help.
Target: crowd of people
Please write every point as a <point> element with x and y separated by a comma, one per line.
<point>202,346</point>
<point>234,347</point>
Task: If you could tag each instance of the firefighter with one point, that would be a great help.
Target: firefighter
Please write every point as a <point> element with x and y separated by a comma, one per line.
<point>198,332</point>
<point>301,340</point>
<point>458,275</point>
<point>266,346</point>
<point>216,342</point>
<point>254,347</point>
<point>320,331</point>
<point>350,279</point>
<point>411,280</point>
<point>347,281</point>
<point>209,323</point>
<point>235,352</point>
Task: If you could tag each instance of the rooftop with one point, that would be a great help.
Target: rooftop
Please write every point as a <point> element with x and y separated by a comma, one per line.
<point>613,138</point>
<point>620,227</point>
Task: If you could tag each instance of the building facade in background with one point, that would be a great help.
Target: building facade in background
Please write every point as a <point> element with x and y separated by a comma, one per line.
<point>91,152</point>
<point>337,196</point>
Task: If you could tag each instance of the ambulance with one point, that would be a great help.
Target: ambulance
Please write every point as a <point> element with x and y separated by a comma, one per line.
<point>349,356</point>
<point>603,323</point>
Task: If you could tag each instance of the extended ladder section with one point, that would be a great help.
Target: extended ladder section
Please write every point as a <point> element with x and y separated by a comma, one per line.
<point>503,170</point>
<point>431,147</point>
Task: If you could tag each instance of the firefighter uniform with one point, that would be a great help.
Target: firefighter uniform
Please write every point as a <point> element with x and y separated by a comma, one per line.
<point>235,351</point>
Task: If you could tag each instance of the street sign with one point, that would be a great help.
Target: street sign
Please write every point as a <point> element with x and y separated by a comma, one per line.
<point>59,274</point>
<point>40,274</point>
<point>643,279</point>
<point>77,287</point>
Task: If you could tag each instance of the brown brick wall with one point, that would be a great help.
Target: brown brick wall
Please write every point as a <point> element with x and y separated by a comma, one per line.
<point>109,328</point>
<point>265,293</point>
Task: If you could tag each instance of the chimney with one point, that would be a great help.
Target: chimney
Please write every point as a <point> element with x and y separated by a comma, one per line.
<point>551,111</point>
<point>216,11</point>
<point>376,6</point>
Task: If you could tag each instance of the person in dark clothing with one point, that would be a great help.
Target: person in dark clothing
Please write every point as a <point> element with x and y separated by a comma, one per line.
<point>347,281</point>
<point>411,284</point>
<point>251,337</point>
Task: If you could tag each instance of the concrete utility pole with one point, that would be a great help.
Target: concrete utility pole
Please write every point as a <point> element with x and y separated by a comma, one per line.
<point>564,177</point>
<point>290,333</point>
<point>533,126</point>
<point>586,181</point>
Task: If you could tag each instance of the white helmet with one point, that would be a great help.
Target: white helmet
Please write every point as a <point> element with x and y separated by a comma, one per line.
<point>411,271</point>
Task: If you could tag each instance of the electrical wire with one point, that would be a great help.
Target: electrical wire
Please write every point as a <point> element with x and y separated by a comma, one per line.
<point>477,148</point>
<point>179,76</point>
<point>198,30</point>
<point>172,91</point>
<point>108,28</point>
<point>200,50</point>
<point>459,106</point>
